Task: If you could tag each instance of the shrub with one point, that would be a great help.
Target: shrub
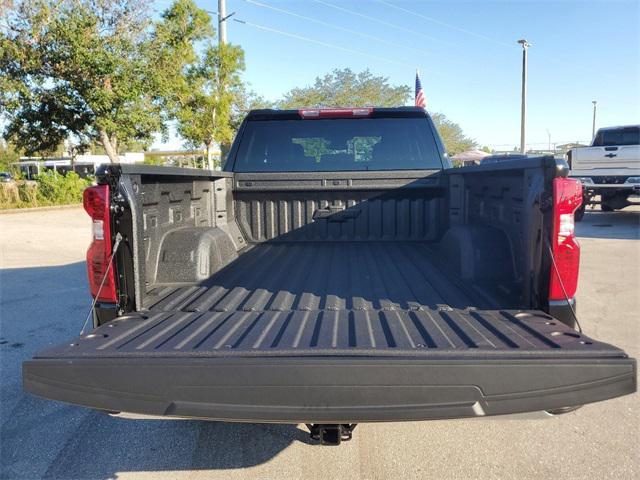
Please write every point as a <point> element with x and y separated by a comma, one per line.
<point>9,193</point>
<point>49,188</point>
<point>27,191</point>
<point>56,189</point>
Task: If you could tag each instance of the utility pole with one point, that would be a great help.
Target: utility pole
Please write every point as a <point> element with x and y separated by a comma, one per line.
<point>222,22</point>
<point>593,126</point>
<point>549,138</point>
<point>523,112</point>
<point>222,40</point>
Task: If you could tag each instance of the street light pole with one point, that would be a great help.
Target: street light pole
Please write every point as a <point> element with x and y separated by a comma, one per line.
<point>549,138</point>
<point>523,112</point>
<point>593,126</point>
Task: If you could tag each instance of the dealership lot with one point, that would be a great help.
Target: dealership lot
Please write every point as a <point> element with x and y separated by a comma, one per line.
<point>44,301</point>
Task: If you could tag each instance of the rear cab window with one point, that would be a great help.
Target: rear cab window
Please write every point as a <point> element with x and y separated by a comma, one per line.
<point>336,144</point>
<point>614,137</point>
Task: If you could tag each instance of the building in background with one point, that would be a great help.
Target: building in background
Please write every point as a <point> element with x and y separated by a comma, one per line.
<point>83,165</point>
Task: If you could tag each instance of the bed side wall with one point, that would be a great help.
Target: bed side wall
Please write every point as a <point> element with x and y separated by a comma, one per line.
<point>497,212</point>
<point>184,228</point>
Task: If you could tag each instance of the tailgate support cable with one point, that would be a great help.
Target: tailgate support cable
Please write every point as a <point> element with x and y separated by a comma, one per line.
<point>104,278</point>
<point>555,268</point>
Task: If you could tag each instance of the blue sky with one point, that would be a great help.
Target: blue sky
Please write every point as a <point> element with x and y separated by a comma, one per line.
<point>467,54</point>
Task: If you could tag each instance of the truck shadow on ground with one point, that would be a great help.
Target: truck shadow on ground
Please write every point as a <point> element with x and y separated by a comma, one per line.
<point>623,224</point>
<point>103,447</point>
<point>65,442</point>
<point>42,438</point>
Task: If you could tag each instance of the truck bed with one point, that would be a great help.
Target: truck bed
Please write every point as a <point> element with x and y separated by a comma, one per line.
<point>331,299</point>
<point>311,276</point>
<point>341,298</point>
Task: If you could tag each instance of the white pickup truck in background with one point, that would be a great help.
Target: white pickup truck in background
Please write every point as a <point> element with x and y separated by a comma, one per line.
<point>609,168</point>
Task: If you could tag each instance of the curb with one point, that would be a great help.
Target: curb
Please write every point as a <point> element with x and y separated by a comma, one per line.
<point>9,211</point>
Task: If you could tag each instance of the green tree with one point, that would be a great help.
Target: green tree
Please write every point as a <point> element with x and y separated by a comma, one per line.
<point>244,101</point>
<point>78,68</point>
<point>454,139</point>
<point>344,88</point>
<point>204,109</point>
<point>201,82</point>
<point>174,42</point>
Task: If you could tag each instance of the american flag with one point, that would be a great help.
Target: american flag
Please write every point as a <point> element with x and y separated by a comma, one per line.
<point>421,100</point>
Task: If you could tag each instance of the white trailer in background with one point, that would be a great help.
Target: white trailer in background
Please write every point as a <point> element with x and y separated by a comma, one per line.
<point>84,164</point>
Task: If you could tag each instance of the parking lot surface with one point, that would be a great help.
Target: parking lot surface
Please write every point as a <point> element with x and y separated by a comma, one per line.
<point>44,301</point>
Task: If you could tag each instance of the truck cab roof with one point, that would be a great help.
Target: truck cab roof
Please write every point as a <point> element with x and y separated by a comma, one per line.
<point>337,112</point>
<point>618,127</point>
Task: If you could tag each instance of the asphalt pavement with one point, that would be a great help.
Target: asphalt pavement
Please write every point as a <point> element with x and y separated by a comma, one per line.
<point>44,301</point>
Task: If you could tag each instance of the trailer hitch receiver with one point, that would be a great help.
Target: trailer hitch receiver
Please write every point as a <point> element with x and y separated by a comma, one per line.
<point>331,433</point>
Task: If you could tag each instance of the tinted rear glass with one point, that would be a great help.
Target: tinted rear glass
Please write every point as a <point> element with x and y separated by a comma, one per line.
<point>617,136</point>
<point>337,145</point>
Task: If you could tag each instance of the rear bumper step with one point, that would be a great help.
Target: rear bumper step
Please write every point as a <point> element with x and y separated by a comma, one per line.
<point>329,390</point>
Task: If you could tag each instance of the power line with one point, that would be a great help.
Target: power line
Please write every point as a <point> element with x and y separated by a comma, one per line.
<point>382,22</point>
<point>444,24</point>
<point>362,34</point>
<point>336,27</point>
<point>554,59</point>
<point>319,42</point>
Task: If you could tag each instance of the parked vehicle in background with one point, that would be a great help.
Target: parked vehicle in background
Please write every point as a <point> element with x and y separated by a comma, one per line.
<point>610,168</point>
<point>5,177</point>
<point>337,271</point>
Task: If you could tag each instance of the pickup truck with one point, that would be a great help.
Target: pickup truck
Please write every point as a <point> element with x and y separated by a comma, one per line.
<point>609,168</point>
<point>337,271</point>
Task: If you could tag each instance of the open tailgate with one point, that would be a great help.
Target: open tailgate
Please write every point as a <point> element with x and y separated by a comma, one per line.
<point>229,366</point>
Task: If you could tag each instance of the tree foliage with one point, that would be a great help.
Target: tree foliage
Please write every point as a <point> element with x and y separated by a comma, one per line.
<point>77,68</point>
<point>454,139</point>
<point>201,81</point>
<point>345,88</point>
<point>100,71</point>
<point>244,101</point>
<point>204,109</point>
<point>175,38</point>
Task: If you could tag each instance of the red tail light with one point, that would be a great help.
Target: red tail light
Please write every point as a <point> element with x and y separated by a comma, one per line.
<point>96,203</point>
<point>567,197</point>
